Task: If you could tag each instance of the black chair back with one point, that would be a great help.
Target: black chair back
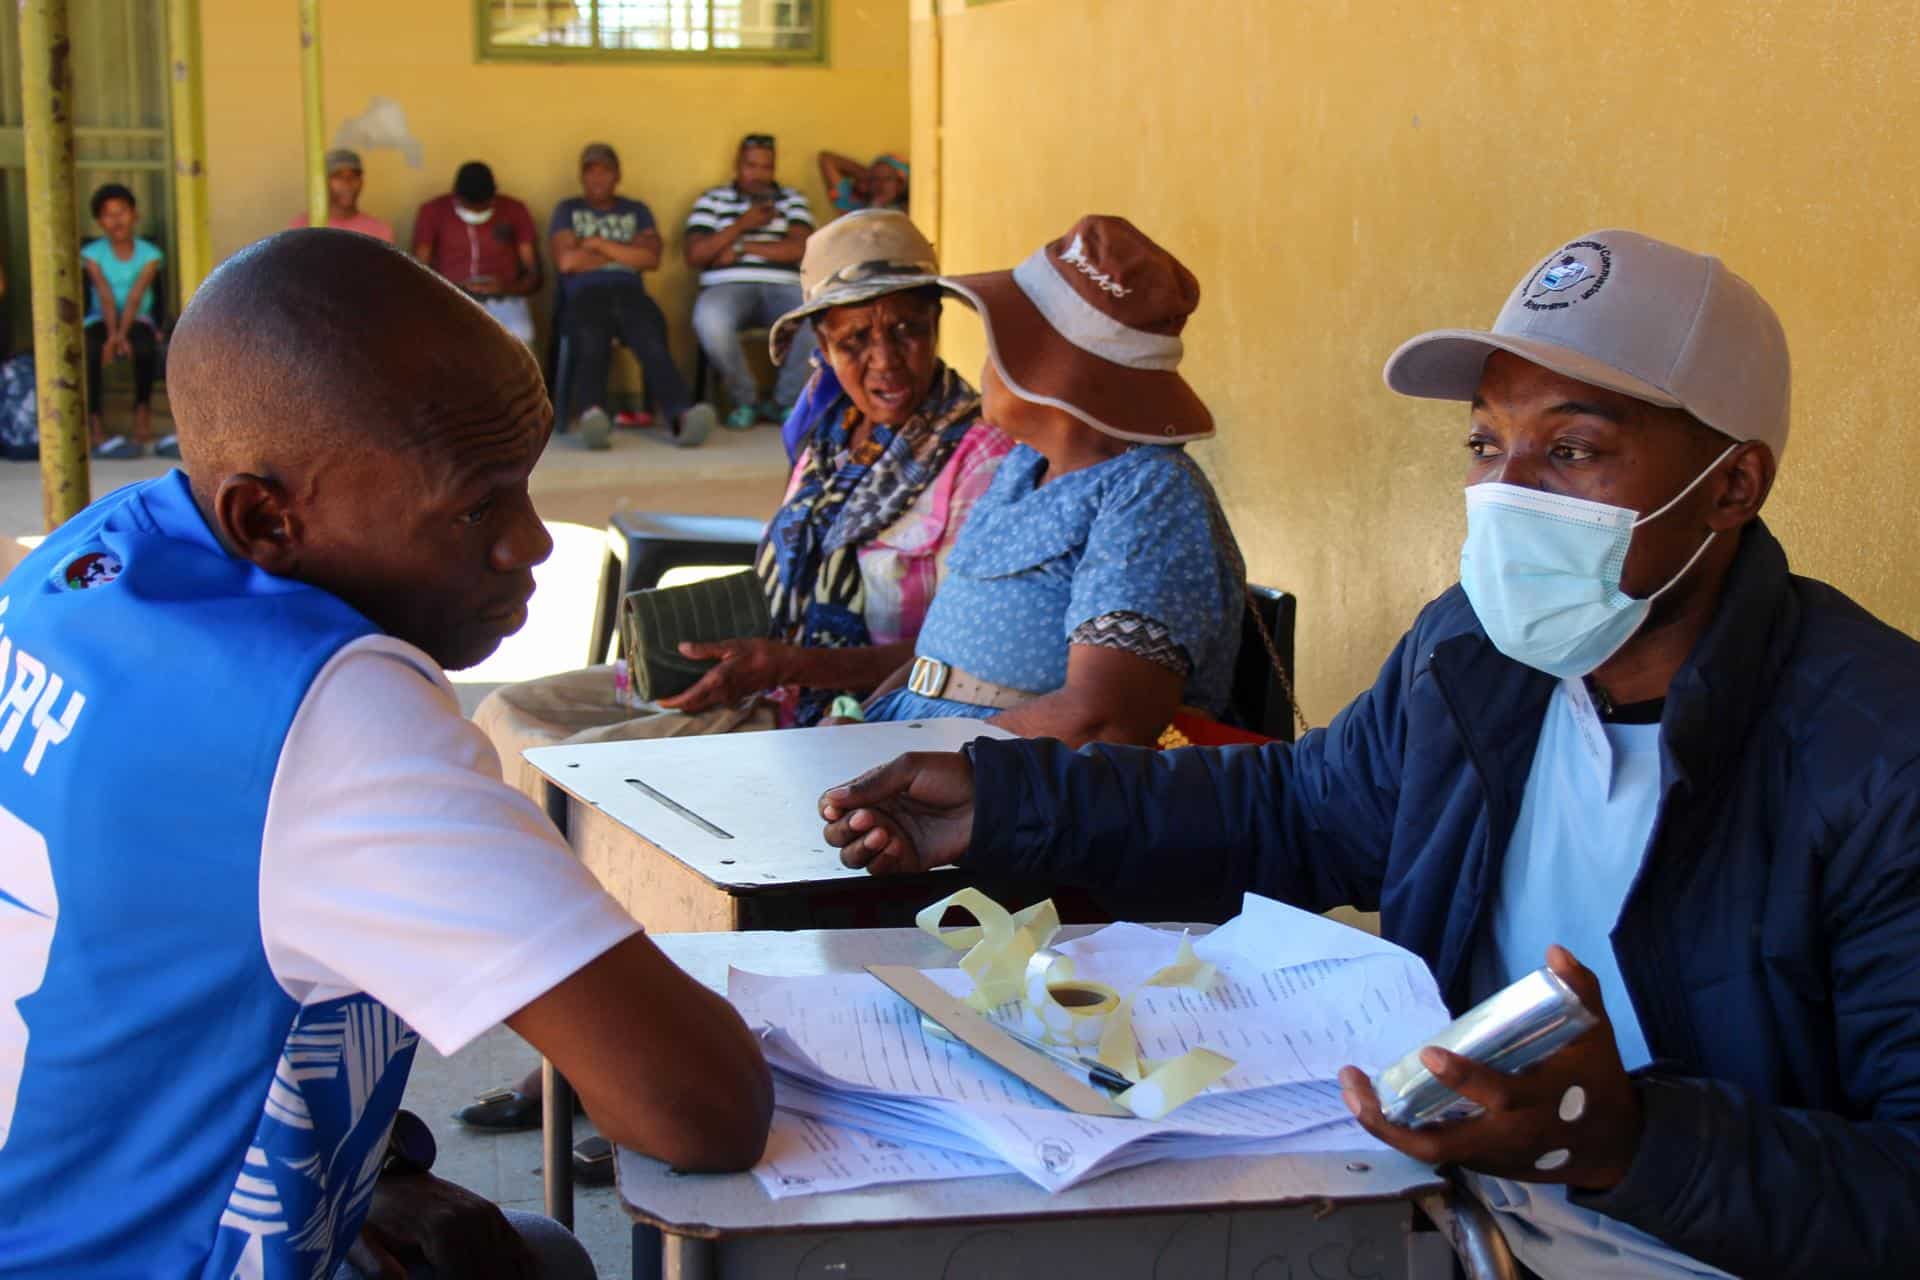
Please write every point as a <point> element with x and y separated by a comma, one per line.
<point>1259,697</point>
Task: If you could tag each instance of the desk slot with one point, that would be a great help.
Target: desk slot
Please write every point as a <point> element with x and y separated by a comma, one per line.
<point>670,803</point>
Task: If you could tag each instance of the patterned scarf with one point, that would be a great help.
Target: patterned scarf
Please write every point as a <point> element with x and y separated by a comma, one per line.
<point>809,561</point>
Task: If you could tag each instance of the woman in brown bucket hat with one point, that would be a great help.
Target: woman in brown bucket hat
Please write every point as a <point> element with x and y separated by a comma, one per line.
<point>1097,586</point>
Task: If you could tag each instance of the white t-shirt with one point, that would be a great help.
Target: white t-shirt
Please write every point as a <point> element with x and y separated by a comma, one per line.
<point>396,862</point>
<point>1591,799</point>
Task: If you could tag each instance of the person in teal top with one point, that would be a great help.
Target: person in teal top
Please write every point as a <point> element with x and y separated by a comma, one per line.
<point>121,269</point>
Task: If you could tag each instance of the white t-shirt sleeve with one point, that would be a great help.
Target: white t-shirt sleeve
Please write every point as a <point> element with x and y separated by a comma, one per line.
<point>396,862</point>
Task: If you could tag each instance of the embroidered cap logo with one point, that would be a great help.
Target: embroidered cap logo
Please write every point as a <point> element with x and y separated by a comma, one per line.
<point>1571,275</point>
<point>1075,255</point>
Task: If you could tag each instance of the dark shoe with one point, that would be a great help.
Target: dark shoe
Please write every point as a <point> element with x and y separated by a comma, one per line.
<point>167,447</point>
<point>502,1111</point>
<point>593,1162</point>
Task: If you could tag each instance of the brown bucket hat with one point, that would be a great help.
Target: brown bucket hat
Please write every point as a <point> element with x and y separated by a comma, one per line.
<point>856,258</point>
<point>1091,324</point>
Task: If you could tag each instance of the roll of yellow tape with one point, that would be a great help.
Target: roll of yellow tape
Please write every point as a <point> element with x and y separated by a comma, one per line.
<point>1007,958</point>
<point>1061,1010</point>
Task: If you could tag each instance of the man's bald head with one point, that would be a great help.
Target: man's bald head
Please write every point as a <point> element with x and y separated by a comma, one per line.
<point>350,420</point>
<point>316,341</point>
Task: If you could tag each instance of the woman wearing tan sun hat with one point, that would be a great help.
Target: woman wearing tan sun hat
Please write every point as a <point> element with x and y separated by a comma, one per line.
<point>890,455</point>
<point>1096,587</point>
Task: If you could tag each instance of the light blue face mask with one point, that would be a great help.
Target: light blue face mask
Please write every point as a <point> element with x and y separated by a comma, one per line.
<point>1542,572</point>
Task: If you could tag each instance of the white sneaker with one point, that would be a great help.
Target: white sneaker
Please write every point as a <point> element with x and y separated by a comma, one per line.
<point>596,429</point>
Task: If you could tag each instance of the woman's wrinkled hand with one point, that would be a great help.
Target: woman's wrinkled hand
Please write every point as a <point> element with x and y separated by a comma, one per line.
<point>745,667</point>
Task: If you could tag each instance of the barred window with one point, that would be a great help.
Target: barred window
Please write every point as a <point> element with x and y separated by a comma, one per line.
<point>749,30</point>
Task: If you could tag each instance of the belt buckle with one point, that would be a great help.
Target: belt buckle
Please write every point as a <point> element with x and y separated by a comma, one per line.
<point>928,677</point>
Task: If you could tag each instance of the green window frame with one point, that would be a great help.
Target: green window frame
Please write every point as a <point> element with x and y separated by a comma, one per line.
<point>688,31</point>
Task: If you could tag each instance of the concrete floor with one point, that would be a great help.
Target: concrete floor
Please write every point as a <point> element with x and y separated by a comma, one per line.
<point>731,474</point>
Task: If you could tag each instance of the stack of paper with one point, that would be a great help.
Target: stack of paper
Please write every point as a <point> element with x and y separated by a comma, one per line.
<point>867,1096</point>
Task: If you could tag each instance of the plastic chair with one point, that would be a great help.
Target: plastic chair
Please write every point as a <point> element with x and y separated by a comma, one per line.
<point>643,545</point>
<point>1258,697</point>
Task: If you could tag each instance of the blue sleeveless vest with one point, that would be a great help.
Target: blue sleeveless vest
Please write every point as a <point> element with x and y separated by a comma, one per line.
<point>166,1109</point>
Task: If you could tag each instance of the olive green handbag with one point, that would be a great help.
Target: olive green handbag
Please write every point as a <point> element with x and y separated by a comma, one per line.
<point>654,624</point>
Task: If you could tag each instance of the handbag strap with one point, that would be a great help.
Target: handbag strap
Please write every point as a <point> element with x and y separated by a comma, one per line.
<point>1279,667</point>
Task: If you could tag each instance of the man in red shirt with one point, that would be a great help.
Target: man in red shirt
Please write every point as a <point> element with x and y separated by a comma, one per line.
<point>485,243</point>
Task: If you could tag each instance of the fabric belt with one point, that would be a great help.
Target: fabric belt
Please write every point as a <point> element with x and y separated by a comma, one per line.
<point>932,678</point>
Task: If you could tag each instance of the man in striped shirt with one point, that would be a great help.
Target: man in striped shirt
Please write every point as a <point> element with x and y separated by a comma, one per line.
<point>745,239</point>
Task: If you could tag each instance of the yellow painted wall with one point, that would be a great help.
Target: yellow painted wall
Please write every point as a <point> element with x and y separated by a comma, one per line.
<point>674,125</point>
<point>1341,175</point>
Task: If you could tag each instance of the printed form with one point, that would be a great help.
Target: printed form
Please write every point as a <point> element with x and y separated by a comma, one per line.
<point>866,1096</point>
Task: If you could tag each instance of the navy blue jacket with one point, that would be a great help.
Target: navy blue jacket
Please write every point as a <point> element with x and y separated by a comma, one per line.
<point>1771,943</point>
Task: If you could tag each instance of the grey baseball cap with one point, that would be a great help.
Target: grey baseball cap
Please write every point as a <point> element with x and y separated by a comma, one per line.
<point>1635,315</point>
<point>343,158</point>
<point>600,153</point>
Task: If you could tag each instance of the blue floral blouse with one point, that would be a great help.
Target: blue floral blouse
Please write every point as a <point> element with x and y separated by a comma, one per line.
<point>1133,551</point>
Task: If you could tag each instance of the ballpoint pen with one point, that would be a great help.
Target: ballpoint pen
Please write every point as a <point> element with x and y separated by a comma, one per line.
<point>1098,1073</point>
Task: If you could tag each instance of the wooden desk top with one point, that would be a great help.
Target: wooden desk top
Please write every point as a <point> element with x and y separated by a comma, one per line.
<point>741,810</point>
<point>714,1205</point>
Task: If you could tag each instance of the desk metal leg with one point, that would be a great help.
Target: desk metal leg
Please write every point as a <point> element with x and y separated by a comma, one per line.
<point>659,1256</point>
<point>556,1107</point>
<point>556,1130</point>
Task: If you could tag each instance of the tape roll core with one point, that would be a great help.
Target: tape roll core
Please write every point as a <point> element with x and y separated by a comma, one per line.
<point>1081,997</point>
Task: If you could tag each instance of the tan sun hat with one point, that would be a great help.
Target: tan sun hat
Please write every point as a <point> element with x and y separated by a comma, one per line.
<point>1636,315</point>
<point>1091,324</point>
<point>864,255</point>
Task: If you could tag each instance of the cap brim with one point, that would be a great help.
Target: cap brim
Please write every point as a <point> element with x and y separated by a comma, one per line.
<point>1146,406</point>
<point>780,337</point>
<point>1445,364</point>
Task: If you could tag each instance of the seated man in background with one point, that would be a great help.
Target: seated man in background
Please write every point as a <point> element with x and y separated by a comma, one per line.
<point>234,881</point>
<point>485,243</point>
<point>344,183</point>
<point>852,185</point>
<point>601,243</point>
<point>121,268</point>
<point>746,239</point>
<point>1631,736</point>
<point>1097,587</point>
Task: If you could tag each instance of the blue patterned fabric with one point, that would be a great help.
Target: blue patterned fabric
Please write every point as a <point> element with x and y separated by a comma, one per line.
<point>167,1108</point>
<point>1140,533</point>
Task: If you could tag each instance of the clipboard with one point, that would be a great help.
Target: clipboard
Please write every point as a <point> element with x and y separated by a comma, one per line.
<point>999,1048</point>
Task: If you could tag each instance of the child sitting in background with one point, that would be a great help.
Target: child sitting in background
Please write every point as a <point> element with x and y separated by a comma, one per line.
<point>121,268</point>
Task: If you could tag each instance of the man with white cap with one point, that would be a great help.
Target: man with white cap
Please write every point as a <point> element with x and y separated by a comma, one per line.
<point>1629,733</point>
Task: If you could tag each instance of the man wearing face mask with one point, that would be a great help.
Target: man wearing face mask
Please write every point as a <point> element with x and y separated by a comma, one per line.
<point>1629,735</point>
<point>484,243</point>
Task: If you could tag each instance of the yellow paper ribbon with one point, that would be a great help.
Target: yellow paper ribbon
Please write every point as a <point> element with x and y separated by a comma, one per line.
<point>997,947</point>
<point>1007,958</point>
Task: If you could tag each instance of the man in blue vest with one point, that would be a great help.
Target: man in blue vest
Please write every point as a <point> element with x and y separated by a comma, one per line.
<point>249,849</point>
<point>1629,735</point>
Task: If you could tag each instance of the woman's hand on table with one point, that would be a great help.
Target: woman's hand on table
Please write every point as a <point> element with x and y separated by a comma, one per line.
<point>745,667</point>
<point>1574,1117</point>
<point>913,814</point>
